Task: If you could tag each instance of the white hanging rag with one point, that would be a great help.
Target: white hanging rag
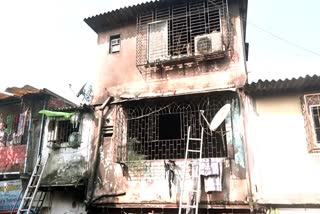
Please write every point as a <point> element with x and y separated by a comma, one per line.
<point>211,169</point>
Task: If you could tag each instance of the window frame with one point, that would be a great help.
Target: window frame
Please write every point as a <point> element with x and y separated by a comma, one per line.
<point>53,134</point>
<point>114,37</point>
<point>311,135</point>
<point>151,52</point>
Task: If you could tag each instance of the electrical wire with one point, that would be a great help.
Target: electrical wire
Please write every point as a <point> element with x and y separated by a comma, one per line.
<point>146,115</point>
<point>284,40</point>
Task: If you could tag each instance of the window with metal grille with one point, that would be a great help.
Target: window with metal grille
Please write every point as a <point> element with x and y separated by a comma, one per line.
<point>157,129</point>
<point>60,130</point>
<point>182,30</point>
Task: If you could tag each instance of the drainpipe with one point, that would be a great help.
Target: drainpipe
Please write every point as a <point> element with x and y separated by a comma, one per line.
<point>247,164</point>
<point>41,128</point>
<point>28,153</point>
<point>96,157</point>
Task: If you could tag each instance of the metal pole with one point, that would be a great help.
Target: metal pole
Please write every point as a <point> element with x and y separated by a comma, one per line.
<point>28,143</point>
<point>41,129</point>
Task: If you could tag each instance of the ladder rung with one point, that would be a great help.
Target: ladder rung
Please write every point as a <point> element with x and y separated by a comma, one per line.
<point>32,186</point>
<point>196,139</point>
<point>193,150</point>
<point>189,206</point>
<point>27,197</point>
<point>191,190</point>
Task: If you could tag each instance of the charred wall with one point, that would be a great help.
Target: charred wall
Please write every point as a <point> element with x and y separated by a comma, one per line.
<point>119,76</point>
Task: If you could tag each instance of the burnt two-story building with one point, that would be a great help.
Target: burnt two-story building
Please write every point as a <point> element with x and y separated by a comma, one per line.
<point>162,63</point>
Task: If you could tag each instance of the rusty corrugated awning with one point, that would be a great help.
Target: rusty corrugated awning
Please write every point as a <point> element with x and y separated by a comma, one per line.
<point>14,94</point>
<point>27,89</point>
<point>294,85</point>
<point>129,97</point>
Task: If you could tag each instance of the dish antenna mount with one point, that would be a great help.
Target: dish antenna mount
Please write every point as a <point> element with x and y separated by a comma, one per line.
<point>218,118</point>
<point>86,92</point>
<point>216,121</point>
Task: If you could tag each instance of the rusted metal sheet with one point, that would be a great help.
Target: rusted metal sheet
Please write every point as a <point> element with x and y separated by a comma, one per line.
<point>27,89</point>
<point>17,93</point>
<point>4,96</point>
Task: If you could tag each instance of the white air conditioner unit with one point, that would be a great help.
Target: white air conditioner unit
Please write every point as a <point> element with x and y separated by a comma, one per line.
<point>208,43</point>
<point>115,42</point>
<point>115,45</point>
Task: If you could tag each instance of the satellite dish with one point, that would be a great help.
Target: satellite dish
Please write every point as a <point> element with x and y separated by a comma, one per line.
<point>86,92</point>
<point>220,117</point>
<point>82,90</point>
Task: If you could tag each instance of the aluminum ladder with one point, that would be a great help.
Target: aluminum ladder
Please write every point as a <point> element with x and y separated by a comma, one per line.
<point>195,193</point>
<point>30,193</point>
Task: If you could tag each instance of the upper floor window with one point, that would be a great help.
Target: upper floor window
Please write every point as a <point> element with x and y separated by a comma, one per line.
<point>182,33</point>
<point>114,43</point>
<point>14,127</point>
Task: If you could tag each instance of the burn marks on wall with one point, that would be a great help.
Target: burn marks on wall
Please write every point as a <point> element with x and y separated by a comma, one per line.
<point>157,128</point>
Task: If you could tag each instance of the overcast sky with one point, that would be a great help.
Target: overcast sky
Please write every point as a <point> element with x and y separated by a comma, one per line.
<point>45,43</point>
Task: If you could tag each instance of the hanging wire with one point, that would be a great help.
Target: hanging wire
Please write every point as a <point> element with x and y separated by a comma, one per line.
<point>146,115</point>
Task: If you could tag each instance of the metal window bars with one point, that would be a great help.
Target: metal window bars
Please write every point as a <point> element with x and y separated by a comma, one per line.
<point>166,36</point>
<point>137,128</point>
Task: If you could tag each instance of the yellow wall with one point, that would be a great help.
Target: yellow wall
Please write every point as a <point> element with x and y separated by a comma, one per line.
<point>282,169</point>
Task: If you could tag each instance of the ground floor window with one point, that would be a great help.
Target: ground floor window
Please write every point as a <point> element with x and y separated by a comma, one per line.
<point>156,129</point>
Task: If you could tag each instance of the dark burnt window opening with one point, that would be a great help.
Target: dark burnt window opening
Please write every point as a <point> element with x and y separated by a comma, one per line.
<point>157,129</point>
<point>169,126</point>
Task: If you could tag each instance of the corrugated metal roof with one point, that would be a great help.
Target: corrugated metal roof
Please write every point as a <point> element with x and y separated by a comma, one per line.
<point>128,14</point>
<point>27,89</point>
<point>14,94</point>
<point>294,85</point>
<point>5,95</point>
<point>120,16</point>
<point>82,108</point>
<point>125,15</point>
